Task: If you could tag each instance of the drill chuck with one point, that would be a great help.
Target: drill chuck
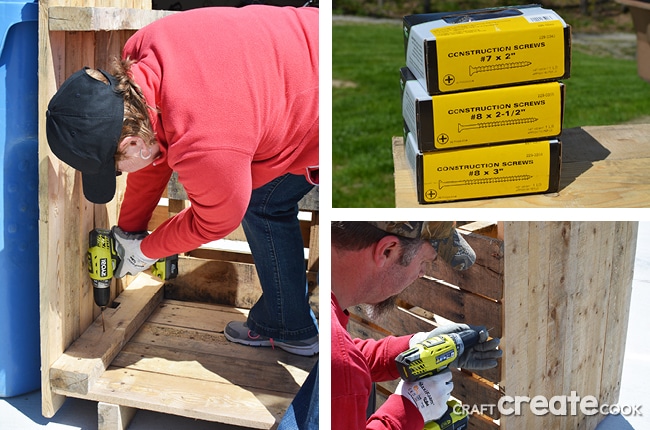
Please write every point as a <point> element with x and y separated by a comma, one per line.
<point>468,338</point>
<point>102,292</point>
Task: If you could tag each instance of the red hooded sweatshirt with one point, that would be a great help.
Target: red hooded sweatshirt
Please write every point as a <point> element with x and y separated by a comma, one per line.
<point>356,364</point>
<point>236,93</point>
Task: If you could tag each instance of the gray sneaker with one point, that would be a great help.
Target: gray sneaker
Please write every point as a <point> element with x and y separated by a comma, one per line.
<point>238,332</point>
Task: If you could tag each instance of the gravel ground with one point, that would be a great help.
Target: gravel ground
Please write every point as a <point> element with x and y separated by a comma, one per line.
<point>616,45</point>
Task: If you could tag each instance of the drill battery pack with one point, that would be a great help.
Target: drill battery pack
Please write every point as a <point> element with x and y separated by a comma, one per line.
<point>454,419</point>
<point>427,358</point>
<point>166,268</point>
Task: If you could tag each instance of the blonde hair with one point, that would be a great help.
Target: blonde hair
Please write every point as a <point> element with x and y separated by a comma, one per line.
<point>136,111</point>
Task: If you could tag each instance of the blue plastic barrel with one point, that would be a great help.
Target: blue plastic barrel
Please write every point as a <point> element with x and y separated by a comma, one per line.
<point>19,306</point>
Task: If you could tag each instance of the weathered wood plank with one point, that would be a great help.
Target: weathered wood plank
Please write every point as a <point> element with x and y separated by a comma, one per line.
<point>225,368</point>
<point>182,365</point>
<point>454,304</point>
<point>205,316</point>
<point>204,342</point>
<point>473,391</point>
<point>232,282</point>
<point>193,398</point>
<point>618,310</point>
<point>561,281</point>
<point>114,417</point>
<point>221,255</point>
<point>213,281</point>
<point>483,228</point>
<point>396,321</point>
<point>479,422</point>
<point>614,157</point>
<point>312,237</point>
<point>69,18</point>
<point>89,356</point>
<point>65,217</point>
<point>485,277</point>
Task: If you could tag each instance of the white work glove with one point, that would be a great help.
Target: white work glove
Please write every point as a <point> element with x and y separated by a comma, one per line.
<point>482,356</point>
<point>133,261</point>
<point>429,395</point>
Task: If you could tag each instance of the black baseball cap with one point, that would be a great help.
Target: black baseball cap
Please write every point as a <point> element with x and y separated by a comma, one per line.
<point>84,124</point>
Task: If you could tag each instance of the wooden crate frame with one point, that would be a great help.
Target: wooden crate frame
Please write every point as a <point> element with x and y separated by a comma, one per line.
<point>75,354</point>
<point>556,293</point>
<point>206,273</point>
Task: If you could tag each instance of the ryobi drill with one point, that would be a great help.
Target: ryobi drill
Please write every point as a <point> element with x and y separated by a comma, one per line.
<point>103,260</point>
<point>431,357</point>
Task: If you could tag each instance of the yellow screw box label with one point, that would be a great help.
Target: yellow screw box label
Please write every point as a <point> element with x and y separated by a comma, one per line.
<point>501,47</point>
<point>497,115</point>
<point>486,171</point>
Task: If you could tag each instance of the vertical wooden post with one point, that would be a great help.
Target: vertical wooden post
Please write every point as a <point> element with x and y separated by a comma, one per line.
<point>114,417</point>
<point>566,305</point>
<point>66,217</point>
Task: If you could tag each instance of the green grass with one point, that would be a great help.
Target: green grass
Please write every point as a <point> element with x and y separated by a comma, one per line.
<point>601,91</point>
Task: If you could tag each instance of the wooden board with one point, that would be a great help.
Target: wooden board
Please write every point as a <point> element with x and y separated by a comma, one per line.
<point>71,18</point>
<point>567,292</point>
<point>77,369</point>
<point>65,217</point>
<point>485,277</point>
<point>454,304</point>
<point>179,362</point>
<point>603,166</point>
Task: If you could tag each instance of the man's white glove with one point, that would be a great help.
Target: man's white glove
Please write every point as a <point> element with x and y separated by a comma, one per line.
<point>429,395</point>
<point>482,356</point>
<point>133,261</point>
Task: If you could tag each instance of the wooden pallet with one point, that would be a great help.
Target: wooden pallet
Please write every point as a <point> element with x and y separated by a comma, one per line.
<point>193,372</point>
<point>178,362</point>
<point>556,293</point>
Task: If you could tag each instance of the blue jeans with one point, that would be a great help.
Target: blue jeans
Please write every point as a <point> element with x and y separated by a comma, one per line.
<point>303,411</point>
<point>273,234</point>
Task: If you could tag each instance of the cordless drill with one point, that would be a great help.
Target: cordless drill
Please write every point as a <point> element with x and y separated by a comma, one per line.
<point>103,260</point>
<point>431,357</point>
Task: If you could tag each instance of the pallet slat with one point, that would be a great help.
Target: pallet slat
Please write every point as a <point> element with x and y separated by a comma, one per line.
<point>182,344</point>
<point>229,368</point>
<point>214,281</point>
<point>557,323</point>
<point>88,357</point>
<point>206,400</point>
<point>75,18</point>
<point>474,391</point>
<point>454,304</point>
<point>485,277</point>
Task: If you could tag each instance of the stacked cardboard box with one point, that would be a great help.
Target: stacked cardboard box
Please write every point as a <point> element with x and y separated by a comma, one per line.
<point>482,101</point>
